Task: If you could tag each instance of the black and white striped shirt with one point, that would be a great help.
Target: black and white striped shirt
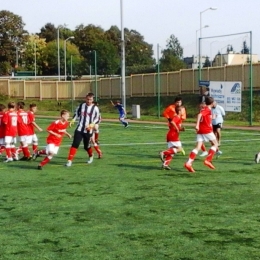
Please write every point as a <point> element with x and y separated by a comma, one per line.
<point>86,115</point>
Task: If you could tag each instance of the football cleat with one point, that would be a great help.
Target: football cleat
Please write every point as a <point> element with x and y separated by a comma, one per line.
<point>69,163</point>
<point>99,155</point>
<point>257,157</point>
<point>183,151</point>
<point>35,155</point>
<point>218,153</point>
<point>39,167</point>
<point>189,167</point>
<point>166,167</point>
<point>161,156</point>
<point>90,160</point>
<point>205,153</point>
<point>15,157</point>
<point>209,164</point>
<point>8,160</point>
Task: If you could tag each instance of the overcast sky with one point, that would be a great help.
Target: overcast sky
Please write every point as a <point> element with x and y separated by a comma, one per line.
<point>156,20</point>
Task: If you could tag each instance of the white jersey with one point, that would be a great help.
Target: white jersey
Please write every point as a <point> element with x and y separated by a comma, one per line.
<point>87,115</point>
<point>217,114</point>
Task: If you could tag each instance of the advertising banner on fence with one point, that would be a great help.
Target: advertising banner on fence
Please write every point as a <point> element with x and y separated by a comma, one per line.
<point>226,93</point>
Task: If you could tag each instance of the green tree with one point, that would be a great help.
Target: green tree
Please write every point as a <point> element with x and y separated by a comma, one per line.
<point>108,60</point>
<point>245,49</point>
<point>48,32</point>
<point>139,54</point>
<point>207,63</point>
<point>50,58</point>
<point>11,40</point>
<point>174,46</point>
<point>172,56</point>
<point>33,54</point>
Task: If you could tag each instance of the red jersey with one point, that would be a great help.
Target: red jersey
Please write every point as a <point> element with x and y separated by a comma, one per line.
<point>173,135</point>
<point>57,127</point>
<point>205,125</point>
<point>10,121</point>
<point>31,126</point>
<point>22,122</point>
<point>2,125</point>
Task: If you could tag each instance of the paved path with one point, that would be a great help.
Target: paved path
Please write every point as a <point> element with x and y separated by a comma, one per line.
<point>254,128</point>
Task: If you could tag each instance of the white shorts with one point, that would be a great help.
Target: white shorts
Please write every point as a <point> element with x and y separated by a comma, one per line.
<point>205,137</point>
<point>32,139</point>
<point>10,140</point>
<point>52,148</point>
<point>2,141</point>
<point>24,138</point>
<point>176,144</point>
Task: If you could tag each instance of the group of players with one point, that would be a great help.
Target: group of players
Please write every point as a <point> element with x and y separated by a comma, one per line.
<point>208,129</point>
<point>15,121</point>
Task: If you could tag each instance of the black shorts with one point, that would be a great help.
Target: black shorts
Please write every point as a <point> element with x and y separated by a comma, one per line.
<point>78,137</point>
<point>215,127</point>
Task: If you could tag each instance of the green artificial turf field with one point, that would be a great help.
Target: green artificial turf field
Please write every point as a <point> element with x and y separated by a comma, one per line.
<point>124,206</point>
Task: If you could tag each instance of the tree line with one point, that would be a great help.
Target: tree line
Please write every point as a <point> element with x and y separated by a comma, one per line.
<point>87,47</point>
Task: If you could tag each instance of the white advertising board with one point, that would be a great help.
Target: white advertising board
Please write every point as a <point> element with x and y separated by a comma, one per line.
<point>227,94</point>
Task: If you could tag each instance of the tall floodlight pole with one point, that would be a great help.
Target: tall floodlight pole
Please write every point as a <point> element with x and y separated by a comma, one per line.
<point>158,82</point>
<point>251,82</point>
<point>122,56</point>
<point>95,61</point>
<point>65,56</point>
<point>35,60</point>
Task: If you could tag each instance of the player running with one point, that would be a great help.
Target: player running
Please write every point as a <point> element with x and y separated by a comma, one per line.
<point>173,141</point>
<point>56,130</point>
<point>204,134</point>
<point>121,111</point>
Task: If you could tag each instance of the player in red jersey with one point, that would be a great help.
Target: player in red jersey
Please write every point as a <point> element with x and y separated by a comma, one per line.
<point>173,140</point>
<point>33,139</point>
<point>23,121</point>
<point>2,129</point>
<point>204,134</point>
<point>10,122</point>
<point>56,130</point>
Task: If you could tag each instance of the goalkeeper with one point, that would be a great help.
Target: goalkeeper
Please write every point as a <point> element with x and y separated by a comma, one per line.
<point>88,115</point>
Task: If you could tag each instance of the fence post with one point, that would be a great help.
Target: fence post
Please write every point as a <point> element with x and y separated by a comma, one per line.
<point>24,90</point>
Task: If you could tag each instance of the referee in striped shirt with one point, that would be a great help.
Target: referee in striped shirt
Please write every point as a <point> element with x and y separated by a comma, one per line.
<point>88,115</point>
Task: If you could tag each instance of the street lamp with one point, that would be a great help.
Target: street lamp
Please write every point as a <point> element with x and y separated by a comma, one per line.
<point>16,55</point>
<point>210,52</point>
<point>206,26</point>
<point>95,68</point>
<point>58,43</point>
<point>65,56</point>
<point>210,8</point>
